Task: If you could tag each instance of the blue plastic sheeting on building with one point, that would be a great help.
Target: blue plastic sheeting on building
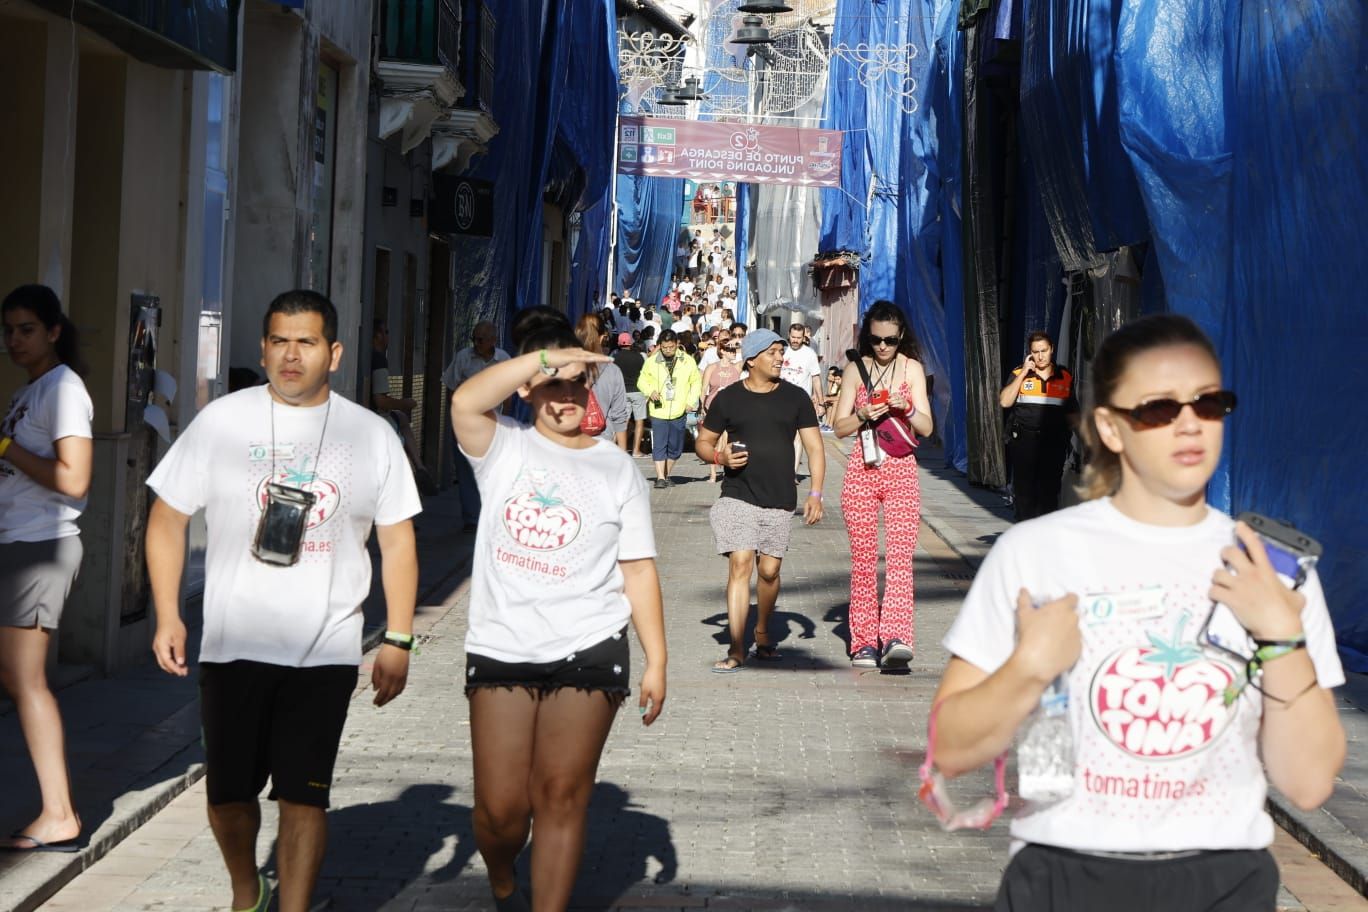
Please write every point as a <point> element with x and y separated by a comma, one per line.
<point>589,261</point>
<point>1170,75</point>
<point>742,244</point>
<point>948,112</point>
<point>1069,127</point>
<point>898,206</point>
<point>543,101</point>
<point>919,274</point>
<point>843,210</point>
<point>648,226</point>
<point>1296,329</point>
<point>1245,126</point>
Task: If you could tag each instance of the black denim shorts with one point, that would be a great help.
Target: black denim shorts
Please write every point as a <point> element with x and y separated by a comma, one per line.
<point>604,667</point>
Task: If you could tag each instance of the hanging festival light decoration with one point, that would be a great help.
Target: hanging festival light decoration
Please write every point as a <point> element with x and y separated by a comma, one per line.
<point>884,67</point>
<point>765,7</point>
<point>752,31</point>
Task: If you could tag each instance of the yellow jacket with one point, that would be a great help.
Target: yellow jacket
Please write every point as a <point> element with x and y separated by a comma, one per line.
<point>656,378</point>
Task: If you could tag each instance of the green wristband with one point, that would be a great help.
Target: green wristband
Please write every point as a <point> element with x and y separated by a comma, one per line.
<point>402,641</point>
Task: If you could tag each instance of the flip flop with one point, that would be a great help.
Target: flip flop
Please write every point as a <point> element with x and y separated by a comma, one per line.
<point>67,846</point>
<point>727,666</point>
<point>766,652</point>
<point>263,895</point>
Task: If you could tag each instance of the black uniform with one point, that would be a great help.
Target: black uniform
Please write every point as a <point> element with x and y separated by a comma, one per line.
<point>1038,440</point>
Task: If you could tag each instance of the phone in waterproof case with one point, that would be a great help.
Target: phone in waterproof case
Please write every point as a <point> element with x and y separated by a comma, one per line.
<point>1291,552</point>
<point>280,533</point>
<point>869,447</point>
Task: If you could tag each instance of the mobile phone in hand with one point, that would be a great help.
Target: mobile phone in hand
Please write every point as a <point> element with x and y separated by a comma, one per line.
<point>879,397</point>
<point>1291,552</point>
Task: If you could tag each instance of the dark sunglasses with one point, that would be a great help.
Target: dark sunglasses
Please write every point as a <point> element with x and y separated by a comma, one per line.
<point>1158,413</point>
<point>885,340</point>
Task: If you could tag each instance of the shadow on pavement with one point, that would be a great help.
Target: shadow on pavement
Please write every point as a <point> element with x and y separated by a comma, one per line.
<point>419,848</point>
<point>377,851</point>
<point>782,624</point>
<point>618,848</point>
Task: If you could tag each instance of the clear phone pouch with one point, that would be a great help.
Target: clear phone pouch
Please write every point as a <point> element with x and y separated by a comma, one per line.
<point>280,533</point>
<point>869,447</point>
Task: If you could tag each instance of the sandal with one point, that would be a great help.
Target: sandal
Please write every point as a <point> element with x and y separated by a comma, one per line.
<point>263,895</point>
<point>729,665</point>
<point>766,652</point>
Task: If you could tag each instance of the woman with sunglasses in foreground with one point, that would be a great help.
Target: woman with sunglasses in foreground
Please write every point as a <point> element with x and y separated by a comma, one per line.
<point>1122,599</point>
<point>564,558</point>
<point>874,480</point>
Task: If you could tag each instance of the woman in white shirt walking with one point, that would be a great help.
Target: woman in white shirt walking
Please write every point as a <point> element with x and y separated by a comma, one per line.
<point>1138,601</point>
<point>565,557</point>
<point>45,464</point>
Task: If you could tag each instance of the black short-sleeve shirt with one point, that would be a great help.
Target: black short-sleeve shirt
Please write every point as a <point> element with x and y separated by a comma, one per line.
<point>767,423</point>
<point>630,363</point>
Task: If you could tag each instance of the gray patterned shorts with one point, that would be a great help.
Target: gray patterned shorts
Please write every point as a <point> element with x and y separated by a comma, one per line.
<point>739,526</point>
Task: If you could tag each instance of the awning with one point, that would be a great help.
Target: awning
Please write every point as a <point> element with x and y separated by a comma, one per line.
<point>186,35</point>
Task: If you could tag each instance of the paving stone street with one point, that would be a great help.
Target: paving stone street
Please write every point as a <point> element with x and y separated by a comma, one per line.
<point>789,785</point>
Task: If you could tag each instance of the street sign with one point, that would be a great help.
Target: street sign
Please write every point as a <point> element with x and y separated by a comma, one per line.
<point>461,206</point>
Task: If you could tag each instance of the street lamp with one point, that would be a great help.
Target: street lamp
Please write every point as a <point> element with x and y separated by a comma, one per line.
<point>764,7</point>
<point>752,31</point>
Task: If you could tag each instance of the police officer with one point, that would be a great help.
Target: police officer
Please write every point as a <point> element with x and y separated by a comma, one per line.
<point>1041,397</point>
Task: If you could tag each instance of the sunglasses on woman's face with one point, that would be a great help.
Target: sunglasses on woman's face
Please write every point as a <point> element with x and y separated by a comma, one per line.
<point>885,340</point>
<point>1158,413</point>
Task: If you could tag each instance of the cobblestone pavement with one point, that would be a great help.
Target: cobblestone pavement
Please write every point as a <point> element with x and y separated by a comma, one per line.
<point>786,786</point>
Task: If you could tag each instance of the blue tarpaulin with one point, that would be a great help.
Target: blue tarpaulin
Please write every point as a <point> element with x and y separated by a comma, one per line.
<point>648,226</point>
<point>892,206</point>
<point>557,76</point>
<point>1226,138</point>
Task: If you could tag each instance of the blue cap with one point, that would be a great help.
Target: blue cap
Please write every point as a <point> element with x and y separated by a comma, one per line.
<point>757,341</point>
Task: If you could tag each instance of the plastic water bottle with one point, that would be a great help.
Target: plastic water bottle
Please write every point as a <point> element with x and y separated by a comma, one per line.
<point>1045,754</point>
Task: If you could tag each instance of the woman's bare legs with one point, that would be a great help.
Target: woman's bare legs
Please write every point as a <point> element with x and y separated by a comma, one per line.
<point>23,674</point>
<point>502,731</point>
<point>572,726</point>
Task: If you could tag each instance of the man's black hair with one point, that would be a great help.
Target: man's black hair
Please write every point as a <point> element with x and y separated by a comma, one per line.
<point>302,300</point>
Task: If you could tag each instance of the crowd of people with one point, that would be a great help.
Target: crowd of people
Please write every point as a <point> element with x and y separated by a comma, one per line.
<point>1177,726</point>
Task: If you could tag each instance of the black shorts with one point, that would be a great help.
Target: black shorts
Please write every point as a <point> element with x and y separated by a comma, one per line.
<point>272,721</point>
<point>1047,879</point>
<point>604,667</point>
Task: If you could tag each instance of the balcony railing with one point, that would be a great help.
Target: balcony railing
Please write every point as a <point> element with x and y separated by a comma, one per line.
<point>477,70</point>
<point>421,32</point>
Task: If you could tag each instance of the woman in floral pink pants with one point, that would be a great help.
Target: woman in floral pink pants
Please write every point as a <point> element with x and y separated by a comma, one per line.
<point>882,634</point>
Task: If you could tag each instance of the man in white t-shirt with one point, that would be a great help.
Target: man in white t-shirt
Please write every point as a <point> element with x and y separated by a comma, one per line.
<point>802,369</point>
<point>467,363</point>
<point>685,322</point>
<point>291,479</point>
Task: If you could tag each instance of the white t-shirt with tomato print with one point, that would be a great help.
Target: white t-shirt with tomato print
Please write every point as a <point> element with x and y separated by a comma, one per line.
<point>1160,763</point>
<point>554,524</point>
<point>307,614</point>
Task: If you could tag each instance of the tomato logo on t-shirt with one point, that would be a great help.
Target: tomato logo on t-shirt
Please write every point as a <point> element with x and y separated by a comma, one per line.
<point>540,521</point>
<point>1162,701</point>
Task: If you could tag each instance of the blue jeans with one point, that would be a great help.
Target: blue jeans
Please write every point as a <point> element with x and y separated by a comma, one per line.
<point>667,438</point>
